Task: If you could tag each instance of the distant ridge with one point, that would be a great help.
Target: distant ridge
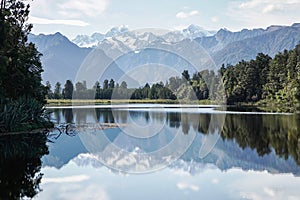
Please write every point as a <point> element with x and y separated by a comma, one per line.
<point>192,32</point>
<point>62,58</point>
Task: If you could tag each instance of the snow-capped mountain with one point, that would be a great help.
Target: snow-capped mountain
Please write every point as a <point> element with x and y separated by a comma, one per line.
<point>194,31</point>
<point>88,41</point>
<point>94,39</point>
<point>62,58</point>
<point>191,32</point>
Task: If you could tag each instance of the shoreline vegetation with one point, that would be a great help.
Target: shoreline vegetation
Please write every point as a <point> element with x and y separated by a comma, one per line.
<point>273,84</point>
<point>70,102</point>
<point>272,108</point>
<point>22,94</point>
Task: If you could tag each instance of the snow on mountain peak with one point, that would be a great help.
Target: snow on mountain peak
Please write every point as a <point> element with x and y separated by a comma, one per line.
<point>122,33</point>
<point>115,31</point>
<point>194,31</point>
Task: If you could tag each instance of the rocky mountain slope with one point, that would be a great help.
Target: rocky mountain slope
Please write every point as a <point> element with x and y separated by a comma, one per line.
<point>63,58</point>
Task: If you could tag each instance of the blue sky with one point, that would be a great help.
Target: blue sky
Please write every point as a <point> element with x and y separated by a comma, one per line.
<point>73,17</point>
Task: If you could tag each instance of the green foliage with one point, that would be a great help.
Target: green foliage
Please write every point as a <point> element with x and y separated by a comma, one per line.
<point>264,132</point>
<point>203,85</point>
<point>22,114</point>
<point>22,95</point>
<point>49,93</point>
<point>20,64</point>
<point>68,90</point>
<point>262,80</point>
<point>57,91</point>
<point>265,80</point>
<point>111,84</point>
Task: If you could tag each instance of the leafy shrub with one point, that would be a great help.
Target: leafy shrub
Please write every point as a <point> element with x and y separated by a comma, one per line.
<point>25,113</point>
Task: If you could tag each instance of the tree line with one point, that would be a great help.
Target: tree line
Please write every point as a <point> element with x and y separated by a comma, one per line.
<point>265,80</point>
<point>184,87</point>
<point>261,80</point>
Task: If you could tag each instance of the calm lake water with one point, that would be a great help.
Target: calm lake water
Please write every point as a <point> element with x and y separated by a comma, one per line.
<point>156,152</point>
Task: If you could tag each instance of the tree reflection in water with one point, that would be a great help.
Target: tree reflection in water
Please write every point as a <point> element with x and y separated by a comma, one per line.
<point>264,133</point>
<point>20,165</point>
<point>260,132</point>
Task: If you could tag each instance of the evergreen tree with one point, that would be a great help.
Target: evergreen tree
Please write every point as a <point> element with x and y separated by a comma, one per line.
<point>19,60</point>
<point>111,84</point>
<point>105,84</point>
<point>123,85</point>
<point>57,91</point>
<point>97,89</point>
<point>68,90</point>
<point>185,75</point>
<point>48,90</point>
<point>81,86</point>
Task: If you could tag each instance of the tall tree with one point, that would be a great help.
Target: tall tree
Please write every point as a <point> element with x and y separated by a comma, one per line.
<point>105,84</point>
<point>80,86</point>
<point>111,84</point>
<point>57,91</point>
<point>185,75</point>
<point>97,90</point>
<point>123,85</point>
<point>49,91</point>
<point>68,90</point>
<point>20,64</point>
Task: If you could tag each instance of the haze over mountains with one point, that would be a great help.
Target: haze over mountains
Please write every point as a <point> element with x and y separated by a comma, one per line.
<point>62,57</point>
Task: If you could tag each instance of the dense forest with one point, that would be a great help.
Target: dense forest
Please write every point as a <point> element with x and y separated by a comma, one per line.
<point>176,88</point>
<point>263,80</point>
<point>22,95</point>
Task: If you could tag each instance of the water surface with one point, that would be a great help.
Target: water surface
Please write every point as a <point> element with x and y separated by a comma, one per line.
<point>166,152</point>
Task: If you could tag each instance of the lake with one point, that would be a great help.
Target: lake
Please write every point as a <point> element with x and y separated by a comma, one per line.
<point>156,151</point>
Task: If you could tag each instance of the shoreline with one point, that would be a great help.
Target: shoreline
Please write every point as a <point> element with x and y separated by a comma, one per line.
<point>82,102</point>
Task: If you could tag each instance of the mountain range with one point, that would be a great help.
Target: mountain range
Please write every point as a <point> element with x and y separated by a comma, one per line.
<point>63,57</point>
<point>192,32</point>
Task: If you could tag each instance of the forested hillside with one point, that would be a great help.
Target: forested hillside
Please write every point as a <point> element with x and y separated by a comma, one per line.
<point>271,81</point>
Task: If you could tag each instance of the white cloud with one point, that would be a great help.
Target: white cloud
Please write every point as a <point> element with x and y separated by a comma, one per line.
<point>215,181</point>
<point>89,8</point>
<point>194,12</point>
<point>68,179</point>
<point>180,27</point>
<point>184,15</point>
<point>70,9</point>
<point>270,192</point>
<point>267,193</point>
<point>271,8</point>
<point>185,186</point>
<point>181,15</point>
<point>249,4</point>
<point>92,191</point>
<point>267,6</point>
<point>262,13</point>
<point>38,20</point>
<point>214,19</point>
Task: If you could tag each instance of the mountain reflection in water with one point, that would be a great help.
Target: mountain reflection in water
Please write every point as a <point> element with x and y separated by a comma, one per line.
<point>247,141</point>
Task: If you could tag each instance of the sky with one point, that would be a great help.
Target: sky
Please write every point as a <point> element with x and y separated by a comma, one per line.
<point>74,17</point>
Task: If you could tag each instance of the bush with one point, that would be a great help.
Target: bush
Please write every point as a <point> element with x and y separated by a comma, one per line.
<point>23,114</point>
